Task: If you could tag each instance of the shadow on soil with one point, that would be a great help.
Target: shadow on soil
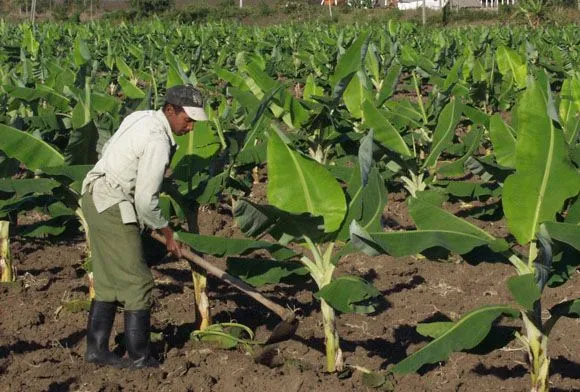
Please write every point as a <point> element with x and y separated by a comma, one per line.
<point>20,347</point>
<point>558,365</point>
<point>501,372</point>
<point>564,367</point>
<point>415,281</point>
<point>73,339</point>
<point>63,386</point>
<point>489,212</point>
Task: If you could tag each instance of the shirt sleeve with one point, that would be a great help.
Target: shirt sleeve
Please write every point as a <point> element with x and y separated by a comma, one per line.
<point>150,172</point>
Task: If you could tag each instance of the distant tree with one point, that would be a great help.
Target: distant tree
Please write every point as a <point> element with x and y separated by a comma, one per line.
<point>150,7</point>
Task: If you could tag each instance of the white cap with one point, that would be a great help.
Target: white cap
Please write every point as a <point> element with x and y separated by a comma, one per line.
<point>195,113</point>
<point>189,98</point>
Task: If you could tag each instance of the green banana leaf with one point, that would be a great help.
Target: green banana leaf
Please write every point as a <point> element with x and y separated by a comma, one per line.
<point>311,89</point>
<point>573,213</point>
<point>512,65</point>
<point>220,246</point>
<point>503,140</point>
<point>75,173</point>
<point>476,116</point>
<point>23,187</point>
<point>389,83</point>
<point>259,272</point>
<point>81,52</point>
<point>348,64</point>
<point>350,294</point>
<point>29,42</point>
<point>131,90</point>
<point>464,334</point>
<point>568,233</point>
<point>410,58</point>
<point>385,133</point>
<point>123,68</point>
<point>27,94</point>
<point>52,227</point>
<point>404,114</point>
<point>457,168</point>
<point>82,145</point>
<point>372,61</point>
<point>435,329</point>
<point>195,151</point>
<point>298,184</point>
<point>407,243</point>
<point>524,290</point>
<point>444,131</point>
<point>569,109</point>
<point>469,190</point>
<point>544,176</point>
<point>358,91</point>
<point>259,120</point>
<point>429,217</point>
<point>367,195</point>
<point>32,152</point>
<point>257,219</point>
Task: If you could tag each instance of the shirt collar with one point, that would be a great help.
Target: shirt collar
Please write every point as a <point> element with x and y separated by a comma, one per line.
<point>161,116</point>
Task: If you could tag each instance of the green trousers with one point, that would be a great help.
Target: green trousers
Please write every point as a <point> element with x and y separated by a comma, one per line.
<point>119,269</point>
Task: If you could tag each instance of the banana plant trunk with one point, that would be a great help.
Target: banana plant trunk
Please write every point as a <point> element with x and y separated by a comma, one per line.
<point>7,270</point>
<point>537,346</point>
<point>199,277</point>
<point>322,270</point>
<point>201,299</point>
<point>334,360</point>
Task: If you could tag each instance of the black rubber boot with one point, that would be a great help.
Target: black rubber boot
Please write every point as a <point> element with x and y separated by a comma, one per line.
<point>137,329</point>
<point>99,326</point>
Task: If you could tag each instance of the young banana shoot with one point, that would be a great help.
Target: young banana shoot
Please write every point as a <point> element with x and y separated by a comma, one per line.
<point>321,269</point>
<point>7,270</point>
<point>201,298</point>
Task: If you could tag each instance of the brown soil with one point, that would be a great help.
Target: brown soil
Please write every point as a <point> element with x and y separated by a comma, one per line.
<point>41,348</point>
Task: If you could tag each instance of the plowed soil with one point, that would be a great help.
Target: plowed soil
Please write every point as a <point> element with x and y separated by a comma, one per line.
<point>42,345</point>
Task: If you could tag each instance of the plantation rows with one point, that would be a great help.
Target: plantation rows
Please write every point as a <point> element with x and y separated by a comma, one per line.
<point>339,116</point>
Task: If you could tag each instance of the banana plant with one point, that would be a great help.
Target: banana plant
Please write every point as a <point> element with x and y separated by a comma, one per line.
<point>308,208</point>
<point>543,181</point>
<point>315,116</point>
<point>56,186</point>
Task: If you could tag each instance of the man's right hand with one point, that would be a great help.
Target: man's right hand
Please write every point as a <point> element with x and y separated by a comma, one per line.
<point>172,245</point>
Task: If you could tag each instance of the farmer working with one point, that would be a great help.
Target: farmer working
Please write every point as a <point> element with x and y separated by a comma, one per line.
<point>120,196</point>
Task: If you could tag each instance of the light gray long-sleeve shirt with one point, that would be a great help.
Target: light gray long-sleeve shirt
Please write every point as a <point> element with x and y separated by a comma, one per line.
<point>131,168</point>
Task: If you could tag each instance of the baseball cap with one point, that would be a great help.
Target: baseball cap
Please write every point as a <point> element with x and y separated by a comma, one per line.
<point>189,98</point>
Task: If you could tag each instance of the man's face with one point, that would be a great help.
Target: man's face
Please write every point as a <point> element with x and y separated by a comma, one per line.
<point>180,122</point>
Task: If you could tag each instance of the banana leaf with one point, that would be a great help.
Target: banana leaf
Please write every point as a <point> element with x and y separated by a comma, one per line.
<point>298,185</point>
<point>259,272</point>
<point>32,152</point>
<point>220,246</point>
<point>350,294</point>
<point>444,131</point>
<point>366,193</point>
<point>464,334</point>
<point>544,176</point>
<point>504,142</point>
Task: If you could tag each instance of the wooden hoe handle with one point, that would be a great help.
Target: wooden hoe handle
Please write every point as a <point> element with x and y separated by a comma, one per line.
<point>245,288</point>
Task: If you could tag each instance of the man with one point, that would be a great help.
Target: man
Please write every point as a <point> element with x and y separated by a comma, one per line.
<point>120,196</point>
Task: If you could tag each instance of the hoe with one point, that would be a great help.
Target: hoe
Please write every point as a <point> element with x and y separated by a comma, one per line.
<point>282,331</point>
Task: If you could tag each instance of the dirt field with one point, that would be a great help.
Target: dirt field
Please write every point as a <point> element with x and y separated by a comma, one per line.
<point>41,348</point>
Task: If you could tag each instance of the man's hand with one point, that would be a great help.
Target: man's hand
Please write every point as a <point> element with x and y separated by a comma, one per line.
<point>173,246</point>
